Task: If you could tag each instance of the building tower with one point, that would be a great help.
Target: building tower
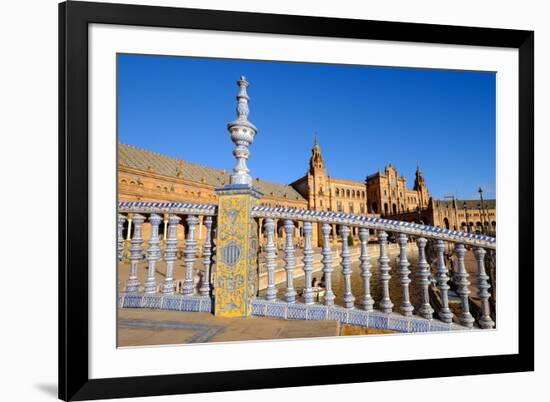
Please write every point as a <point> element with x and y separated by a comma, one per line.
<point>318,183</point>
<point>421,188</point>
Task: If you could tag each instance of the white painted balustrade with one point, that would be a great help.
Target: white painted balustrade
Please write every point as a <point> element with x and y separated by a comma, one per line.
<point>398,260</point>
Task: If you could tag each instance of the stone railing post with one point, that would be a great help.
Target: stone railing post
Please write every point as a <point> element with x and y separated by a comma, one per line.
<point>346,267</point>
<point>237,231</point>
<point>153,254</point>
<point>445,314</point>
<point>386,304</point>
<point>327,265</point>
<point>485,320</point>
<point>404,272</point>
<point>207,258</point>
<point>461,279</point>
<point>270,258</point>
<point>136,254</point>
<point>190,253</point>
<point>120,239</point>
<point>236,251</point>
<point>423,273</point>
<point>290,261</point>
<point>367,302</point>
<point>169,285</point>
<point>308,263</point>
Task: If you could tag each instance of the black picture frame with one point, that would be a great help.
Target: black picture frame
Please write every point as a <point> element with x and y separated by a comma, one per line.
<point>74,18</point>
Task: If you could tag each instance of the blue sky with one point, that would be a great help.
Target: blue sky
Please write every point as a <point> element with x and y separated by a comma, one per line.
<point>364,118</point>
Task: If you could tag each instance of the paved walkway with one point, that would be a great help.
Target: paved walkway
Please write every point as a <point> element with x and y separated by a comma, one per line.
<point>138,327</point>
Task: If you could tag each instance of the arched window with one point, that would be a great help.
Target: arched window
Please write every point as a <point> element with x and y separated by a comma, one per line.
<point>337,193</point>
<point>394,208</point>
<point>374,207</point>
<point>347,193</point>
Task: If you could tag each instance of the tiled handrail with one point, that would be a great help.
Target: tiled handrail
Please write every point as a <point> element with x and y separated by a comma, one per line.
<point>409,228</point>
<point>167,207</point>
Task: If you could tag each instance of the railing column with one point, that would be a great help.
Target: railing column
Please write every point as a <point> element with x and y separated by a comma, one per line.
<point>120,239</point>
<point>367,302</point>
<point>165,230</point>
<point>327,265</point>
<point>290,262</point>
<point>308,263</point>
<point>190,253</point>
<point>207,257</point>
<point>461,278</point>
<point>270,258</point>
<point>153,254</point>
<point>423,273</point>
<point>169,285</point>
<point>346,267</point>
<point>485,320</point>
<point>445,314</point>
<point>128,235</point>
<point>236,251</point>
<point>136,254</point>
<point>404,271</point>
<point>386,304</point>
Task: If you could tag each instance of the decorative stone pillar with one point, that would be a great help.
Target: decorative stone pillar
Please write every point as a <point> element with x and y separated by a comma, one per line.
<point>445,314</point>
<point>462,283</point>
<point>290,262</point>
<point>136,254</point>
<point>327,265</point>
<point>270,258</point>
<point>190,253</point>
<point>367,302</point>
<point>236,255</point>
<point>334,236</point>
<point>120,238</point>
<point>169,285</point>
<point>346,267</point>
<point>308,263</point>
<point>406,306</point>
<point>237,232</point>
<point>386,304</point>
<point>153,254</point>
<point>207,257</point>
<point>485,320</point>
<point>423,274</point>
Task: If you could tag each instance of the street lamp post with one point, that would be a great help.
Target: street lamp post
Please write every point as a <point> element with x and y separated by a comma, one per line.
<point>480,191</point>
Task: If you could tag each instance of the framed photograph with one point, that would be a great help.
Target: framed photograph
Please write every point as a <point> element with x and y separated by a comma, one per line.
<point>258,200</point>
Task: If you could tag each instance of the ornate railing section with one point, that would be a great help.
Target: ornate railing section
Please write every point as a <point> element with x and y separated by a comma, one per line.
<point>353,306</point>
<point>359,309</point>
<point>132,216</point>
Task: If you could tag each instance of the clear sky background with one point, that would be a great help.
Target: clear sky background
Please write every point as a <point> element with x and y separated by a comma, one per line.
<point>364,118</point>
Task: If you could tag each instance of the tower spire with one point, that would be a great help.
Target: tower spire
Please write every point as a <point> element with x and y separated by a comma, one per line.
<point>242,133</point>
<point>316,160</point>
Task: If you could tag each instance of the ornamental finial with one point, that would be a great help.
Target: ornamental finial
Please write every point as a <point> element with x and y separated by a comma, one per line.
<point>242,134</point>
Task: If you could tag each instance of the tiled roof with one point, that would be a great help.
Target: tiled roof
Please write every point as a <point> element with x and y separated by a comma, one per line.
<point>141,159</point>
